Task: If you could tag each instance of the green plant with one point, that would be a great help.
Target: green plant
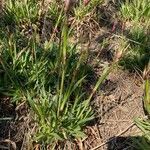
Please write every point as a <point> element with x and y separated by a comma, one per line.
<point>49,76</point>
<point>137,55</point>
<point>63,113</point>
<point>147,96</point>
<point>144,126</point>
<point>21,11</point>
<point>25,66</point>
<point>136,13</point>
<point>136,10</point>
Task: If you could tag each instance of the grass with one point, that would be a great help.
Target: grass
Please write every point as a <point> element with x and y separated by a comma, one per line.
<point>48,75</point>
<point>136,15</point>
<point>22,11</point>
<point>136,10</point>
<point>41,67</point>
<point>138,54</point>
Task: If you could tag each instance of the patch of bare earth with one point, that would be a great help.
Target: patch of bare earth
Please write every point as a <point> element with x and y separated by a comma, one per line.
<point>116,108</point>
<point>13,125</point>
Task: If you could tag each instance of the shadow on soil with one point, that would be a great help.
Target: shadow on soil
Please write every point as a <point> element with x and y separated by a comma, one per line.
<point>128,143</point>
<point>12,124</point>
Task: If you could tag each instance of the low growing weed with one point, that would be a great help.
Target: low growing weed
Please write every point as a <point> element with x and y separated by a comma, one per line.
<point>63,113</point>
<point>22,11</point>
<point>138,54</point>
<point>49,76</point>
<point>137,13</point>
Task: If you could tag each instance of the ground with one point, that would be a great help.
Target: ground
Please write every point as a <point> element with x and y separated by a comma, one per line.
<point>116,103</point>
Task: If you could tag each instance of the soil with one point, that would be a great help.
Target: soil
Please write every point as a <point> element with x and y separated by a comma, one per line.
<point>12,131</point>
<point>116,104</point>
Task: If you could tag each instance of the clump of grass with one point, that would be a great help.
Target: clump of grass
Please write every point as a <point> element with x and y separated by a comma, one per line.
<point>25,65</point>
<point>22,11</point>
<point>52,83</point>
<point>63,113</point>
<point>137,55</point>
<point>136,10</point>
<point>81,11</point>
<point>136,13</point>
<point>50,77</point>
<point>85,19</point>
